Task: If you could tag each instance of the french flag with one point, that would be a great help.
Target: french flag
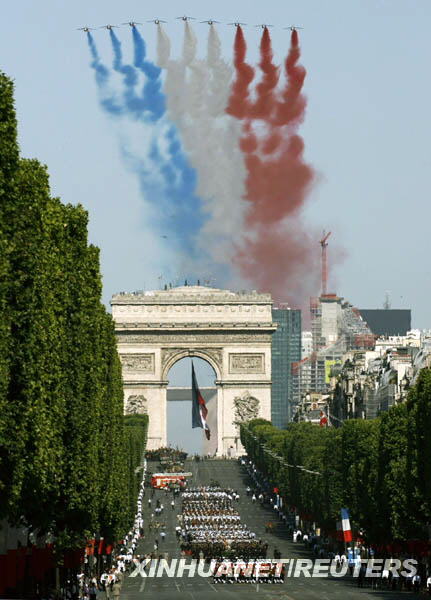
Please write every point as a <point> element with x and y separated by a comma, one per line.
<point>345,524</point>
<point>199,408</point>
<point>323,419</point>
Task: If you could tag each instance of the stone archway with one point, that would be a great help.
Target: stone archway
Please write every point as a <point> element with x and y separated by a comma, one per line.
<point>231,331</point>
<point>172,355</point>
<point>179,430</point>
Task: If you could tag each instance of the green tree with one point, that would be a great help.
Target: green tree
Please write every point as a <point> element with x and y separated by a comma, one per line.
<point>391,495</point>
<point>419,454</point>
<point>359,446</point>
<point>136,438</point>
<point>38,376</point>
<point>331,480</point>
<point>380,469</point>
<point>10,455</point>
<point>66,457</point>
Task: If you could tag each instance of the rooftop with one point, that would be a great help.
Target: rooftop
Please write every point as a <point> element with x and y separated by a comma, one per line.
<point>187,294</point>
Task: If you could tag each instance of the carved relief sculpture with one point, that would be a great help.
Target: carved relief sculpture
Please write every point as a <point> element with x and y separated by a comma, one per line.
<point>144,363</point>
<point>136,405</point>
<point>195,337</point>
<point>246,363</point>
<point>246,408</point>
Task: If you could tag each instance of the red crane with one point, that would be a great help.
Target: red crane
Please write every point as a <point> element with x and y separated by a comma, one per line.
<point>324,243</point>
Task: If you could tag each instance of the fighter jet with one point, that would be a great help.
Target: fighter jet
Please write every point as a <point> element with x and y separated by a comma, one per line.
<point>186,18</point>
<point>132,23</point>
<point>210,21</point>
<point>237,24</point>
<point>108,26</point>
<point>293,28</point>
<point>264,26</point>
<point>86,29</point>
<point>156,21</point>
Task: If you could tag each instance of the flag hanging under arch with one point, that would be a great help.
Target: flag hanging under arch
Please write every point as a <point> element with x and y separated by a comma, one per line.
<point>199,408</point>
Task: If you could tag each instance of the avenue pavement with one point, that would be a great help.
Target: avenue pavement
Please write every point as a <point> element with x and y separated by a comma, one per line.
<point>228,473</point>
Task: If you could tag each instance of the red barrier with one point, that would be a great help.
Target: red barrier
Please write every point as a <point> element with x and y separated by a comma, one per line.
<point>11,559</point>
<point>20,563</point>
<point>73,559</point>
<point>3,570</point>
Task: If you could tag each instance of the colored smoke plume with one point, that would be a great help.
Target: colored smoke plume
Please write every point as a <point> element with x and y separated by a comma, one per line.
<point>155,99</point>
<point>276,257</point>
<point>277,253</point>
<point>102,73</point>
<point>150,103</point>
<point>277,182</point>
<point>167,180</point>
<point>130,78</point>
<point>238,105</point>
<point>264,104</point>
<point>107,98</point>
<point>292,107</point>
<point>163,47</point>
<point>198,92</point>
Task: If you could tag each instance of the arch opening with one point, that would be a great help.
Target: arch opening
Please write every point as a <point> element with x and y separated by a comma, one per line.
<point>179,404</point>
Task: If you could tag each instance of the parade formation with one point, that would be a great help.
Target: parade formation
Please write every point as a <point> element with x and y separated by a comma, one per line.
<point>212,527</point>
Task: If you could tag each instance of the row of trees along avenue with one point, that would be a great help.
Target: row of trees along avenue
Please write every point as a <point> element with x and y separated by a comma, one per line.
<point>380,469</point>
<point>67,460</point>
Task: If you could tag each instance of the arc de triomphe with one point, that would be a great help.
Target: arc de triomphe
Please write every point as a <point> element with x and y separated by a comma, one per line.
<point>231,331</point>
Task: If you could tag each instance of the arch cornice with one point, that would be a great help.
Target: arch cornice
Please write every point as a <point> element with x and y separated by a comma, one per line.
<point>172,355</point>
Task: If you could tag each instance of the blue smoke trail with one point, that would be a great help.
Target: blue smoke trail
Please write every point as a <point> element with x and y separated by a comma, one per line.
<point>156,100</point>
<point>130,75</point>
<point>181,181</point>
<point>102,73</point>
<point>167,180</point>
<point>172,182</point>
<point>151,105</point>
<point>102,77</point>
<point>135,104</point>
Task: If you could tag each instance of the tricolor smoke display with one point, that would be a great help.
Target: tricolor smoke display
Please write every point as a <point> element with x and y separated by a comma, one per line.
<point>221,161</point>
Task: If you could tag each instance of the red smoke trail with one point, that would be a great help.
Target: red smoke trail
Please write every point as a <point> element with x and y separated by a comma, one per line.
<point>238,103</point>
<point>292,107</point>
<point>277,185</point>
<point>264,104</point>
<point>283,259</point>
<point>278,254</point>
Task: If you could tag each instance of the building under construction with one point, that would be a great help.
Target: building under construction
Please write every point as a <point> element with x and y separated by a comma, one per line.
<point>337,327</point>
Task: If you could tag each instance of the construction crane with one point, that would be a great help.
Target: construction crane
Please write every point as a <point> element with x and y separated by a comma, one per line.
<point>387,302</point>
<point>324,244</point>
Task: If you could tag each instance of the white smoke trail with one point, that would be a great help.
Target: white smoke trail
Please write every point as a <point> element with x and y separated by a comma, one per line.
<point>197,94</point>
<point>176,70</point>
<point>163,47</point>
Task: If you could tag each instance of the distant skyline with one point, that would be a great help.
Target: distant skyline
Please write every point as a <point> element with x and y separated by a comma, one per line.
<point>366,132</point>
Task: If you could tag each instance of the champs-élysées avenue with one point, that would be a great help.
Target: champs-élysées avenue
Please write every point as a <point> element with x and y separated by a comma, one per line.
<point>215,334</point>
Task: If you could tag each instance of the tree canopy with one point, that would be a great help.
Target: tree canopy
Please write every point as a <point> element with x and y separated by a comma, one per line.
<point>380,469</point>
<point>67,460</point>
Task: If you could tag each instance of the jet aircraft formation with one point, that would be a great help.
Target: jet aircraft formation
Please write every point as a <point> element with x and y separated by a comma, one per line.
<point>156,21</point>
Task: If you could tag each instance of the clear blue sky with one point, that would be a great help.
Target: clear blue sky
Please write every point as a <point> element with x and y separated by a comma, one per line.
<point>367,129</point>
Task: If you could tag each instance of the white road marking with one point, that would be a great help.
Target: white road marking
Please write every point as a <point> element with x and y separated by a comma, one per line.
<point>213,587</point>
